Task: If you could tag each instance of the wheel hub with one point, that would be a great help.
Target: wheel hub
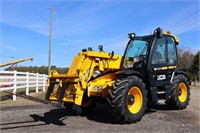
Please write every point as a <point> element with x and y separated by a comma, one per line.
<point>131,99</point>
<point>179,91</point>
<point>182,92</point>
<point>134,100</point>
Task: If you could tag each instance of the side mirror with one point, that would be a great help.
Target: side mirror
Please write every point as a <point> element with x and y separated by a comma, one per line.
<point>158,32</point>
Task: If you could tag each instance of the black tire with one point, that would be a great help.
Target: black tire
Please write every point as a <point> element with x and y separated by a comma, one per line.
<point>119,99</point>
<point>176,102</point>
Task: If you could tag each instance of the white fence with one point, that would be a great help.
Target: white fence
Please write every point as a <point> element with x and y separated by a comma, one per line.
<point>13,80</point>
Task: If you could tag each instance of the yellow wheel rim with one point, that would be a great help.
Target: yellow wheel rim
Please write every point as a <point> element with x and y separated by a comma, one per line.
<point>134,100</point>
<point>182,91</point>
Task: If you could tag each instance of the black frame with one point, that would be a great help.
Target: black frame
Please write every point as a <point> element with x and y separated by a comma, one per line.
<point>148,73</point>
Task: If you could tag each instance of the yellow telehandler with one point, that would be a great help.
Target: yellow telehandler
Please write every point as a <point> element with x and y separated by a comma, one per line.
<point>146,72</point>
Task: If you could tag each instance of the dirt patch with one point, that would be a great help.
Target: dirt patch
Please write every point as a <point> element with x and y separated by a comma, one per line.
<point>22,101</point>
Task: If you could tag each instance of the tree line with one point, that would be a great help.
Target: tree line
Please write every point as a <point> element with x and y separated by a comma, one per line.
<point>189,62</point>
<point>40,69</point>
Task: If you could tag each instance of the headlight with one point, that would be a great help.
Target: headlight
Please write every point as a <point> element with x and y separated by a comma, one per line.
<point>97,88</point>
<point>131,35</point>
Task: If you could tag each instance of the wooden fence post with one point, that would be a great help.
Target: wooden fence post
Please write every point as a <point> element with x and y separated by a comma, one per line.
<point>27,83</point>
<point>44,80</point>
<point>15,85</point>
<point>37,83</point>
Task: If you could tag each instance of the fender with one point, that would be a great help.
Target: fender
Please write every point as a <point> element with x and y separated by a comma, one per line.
<point>178,71</point>
<point>129,72</point>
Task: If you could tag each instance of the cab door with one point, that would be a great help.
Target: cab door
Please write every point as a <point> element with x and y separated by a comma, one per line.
<point>162,61</point>
<point>172,57</point>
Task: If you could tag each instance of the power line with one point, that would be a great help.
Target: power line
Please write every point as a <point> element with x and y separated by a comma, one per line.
<point>60,26</point>
<point>35,11</point>
<point>57,18</point>
<point>185,18</point>
<point>188,17</point>
<point>195,20</point>
<point>186,27</point>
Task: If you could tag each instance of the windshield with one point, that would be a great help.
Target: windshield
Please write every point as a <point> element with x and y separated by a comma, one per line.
<point>136,50</point>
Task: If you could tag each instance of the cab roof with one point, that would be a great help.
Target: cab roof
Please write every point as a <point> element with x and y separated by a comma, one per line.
<point>175,38</point>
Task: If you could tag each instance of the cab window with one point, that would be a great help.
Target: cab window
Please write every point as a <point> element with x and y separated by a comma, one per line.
<point>159,52</point>
<point>171,47</point>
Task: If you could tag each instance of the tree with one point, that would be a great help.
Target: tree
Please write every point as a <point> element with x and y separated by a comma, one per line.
<point>41,69</point>
<point>185,58</point>
<point>195,65</point>
<point>185,61</point>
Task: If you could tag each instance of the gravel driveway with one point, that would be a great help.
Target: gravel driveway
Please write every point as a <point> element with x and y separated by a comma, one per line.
<point>45,118</point>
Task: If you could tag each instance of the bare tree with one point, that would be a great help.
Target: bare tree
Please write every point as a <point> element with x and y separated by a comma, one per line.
<point>185,56</point>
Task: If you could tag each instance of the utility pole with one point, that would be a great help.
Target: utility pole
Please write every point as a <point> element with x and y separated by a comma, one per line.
<point>50,40</point>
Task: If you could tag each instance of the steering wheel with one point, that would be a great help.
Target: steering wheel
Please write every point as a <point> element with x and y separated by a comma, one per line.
<point>144,57</point>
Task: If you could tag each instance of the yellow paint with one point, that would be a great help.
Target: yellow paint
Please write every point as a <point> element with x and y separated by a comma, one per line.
<point>79,96</point>
<point>175,37</point>
<point>60,83</point>
<point>81,71</point>
<point>172,67</point>
<point>104,81</point>
<point>138,100</point>
<point>182,92</point>
<point>55,98</point>
<point>164,68</point>
<point>55,74</point>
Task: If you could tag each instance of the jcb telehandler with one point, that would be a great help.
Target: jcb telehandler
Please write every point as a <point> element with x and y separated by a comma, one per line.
<point>146,72</point>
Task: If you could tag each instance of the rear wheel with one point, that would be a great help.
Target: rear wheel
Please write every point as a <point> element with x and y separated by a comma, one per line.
<point>180,93</point>
<point>128,99</point>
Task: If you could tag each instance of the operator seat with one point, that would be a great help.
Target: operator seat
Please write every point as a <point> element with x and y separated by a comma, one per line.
<point>157,57</point>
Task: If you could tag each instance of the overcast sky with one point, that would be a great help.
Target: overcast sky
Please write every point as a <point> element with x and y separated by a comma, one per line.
<point>78,24</point>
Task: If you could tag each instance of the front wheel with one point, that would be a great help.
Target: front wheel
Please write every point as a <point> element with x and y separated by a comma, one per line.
<point>127,99</point>
<point>180,93</point>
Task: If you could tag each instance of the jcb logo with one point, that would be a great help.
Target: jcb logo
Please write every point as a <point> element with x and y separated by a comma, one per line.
<point>161,77</point>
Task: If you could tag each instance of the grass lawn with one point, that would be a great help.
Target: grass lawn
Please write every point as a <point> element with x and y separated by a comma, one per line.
<point>6,95</point>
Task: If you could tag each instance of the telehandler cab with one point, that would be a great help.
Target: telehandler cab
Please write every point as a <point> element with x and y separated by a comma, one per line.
<point>146,72</point>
